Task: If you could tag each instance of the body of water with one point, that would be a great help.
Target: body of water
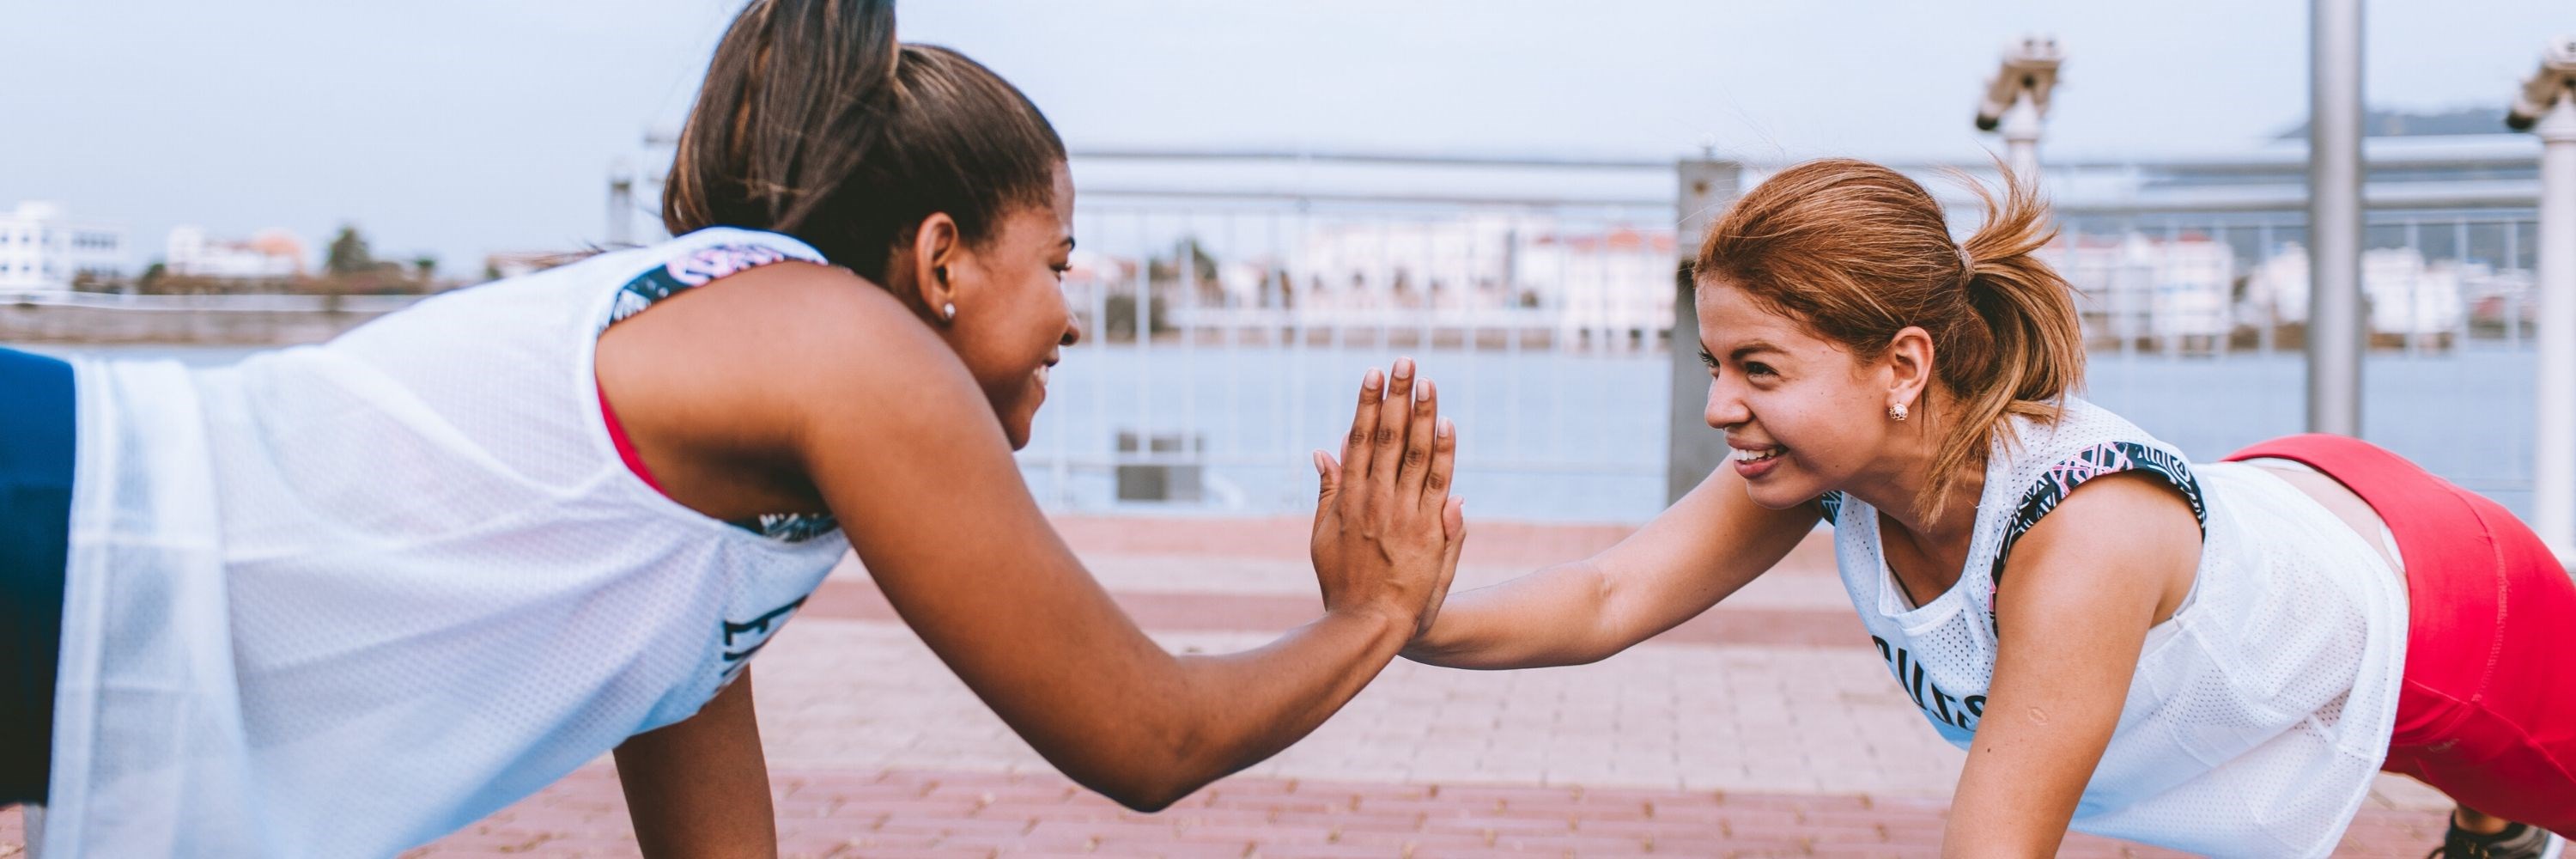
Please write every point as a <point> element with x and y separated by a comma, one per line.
<point>1581,437</point>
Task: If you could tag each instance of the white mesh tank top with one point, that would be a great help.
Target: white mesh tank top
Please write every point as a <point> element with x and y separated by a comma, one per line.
<point>342,599</point>
<point>2259,712</point>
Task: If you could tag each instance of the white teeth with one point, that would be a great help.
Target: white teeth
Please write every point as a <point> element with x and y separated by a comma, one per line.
<point>1042,374</point>
<point>1752,456</point>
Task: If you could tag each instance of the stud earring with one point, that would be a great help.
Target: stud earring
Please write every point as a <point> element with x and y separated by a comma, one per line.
<point>1896,412</point>
<point>948,312</point>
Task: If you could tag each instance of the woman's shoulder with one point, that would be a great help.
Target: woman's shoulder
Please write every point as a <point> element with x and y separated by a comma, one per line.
<point>2050,460</point>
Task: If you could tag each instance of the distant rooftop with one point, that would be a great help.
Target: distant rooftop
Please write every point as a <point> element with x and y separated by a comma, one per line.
<point>2405,123</point>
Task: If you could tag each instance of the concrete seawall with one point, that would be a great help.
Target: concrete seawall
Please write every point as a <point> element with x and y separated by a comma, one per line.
<point>190,322</point>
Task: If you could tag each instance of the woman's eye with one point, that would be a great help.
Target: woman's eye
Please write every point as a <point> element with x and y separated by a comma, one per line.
<point>1758,370</point>
<point>1708,359</point>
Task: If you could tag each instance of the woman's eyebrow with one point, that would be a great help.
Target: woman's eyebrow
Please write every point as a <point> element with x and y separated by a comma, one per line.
<point>1752,348</point>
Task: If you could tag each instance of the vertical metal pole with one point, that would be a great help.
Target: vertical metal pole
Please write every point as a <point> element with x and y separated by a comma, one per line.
<point>1692,450</point>
<point>2554,448</point>
<point>2335,337</point>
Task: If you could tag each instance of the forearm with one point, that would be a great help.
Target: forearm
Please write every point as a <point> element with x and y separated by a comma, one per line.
<point>1555,616</point>
<point>1263,700</point>
<point>1226,712</point>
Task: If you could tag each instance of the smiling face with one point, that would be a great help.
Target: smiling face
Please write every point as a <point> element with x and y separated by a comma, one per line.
<point>1012,320</point>
<point>1802,415</point>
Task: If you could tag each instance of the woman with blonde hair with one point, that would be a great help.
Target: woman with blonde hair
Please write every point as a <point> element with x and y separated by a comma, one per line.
<point>2215,657</point>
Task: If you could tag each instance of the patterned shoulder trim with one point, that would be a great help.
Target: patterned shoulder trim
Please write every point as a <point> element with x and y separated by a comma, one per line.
<point>698,268</point>
<point>694,269</point>
<point>1833,504</point>
<point>2105,458</point>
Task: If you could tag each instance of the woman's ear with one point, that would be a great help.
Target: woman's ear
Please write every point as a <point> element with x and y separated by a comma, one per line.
<point>1909,361</point>
<point>931,264</point>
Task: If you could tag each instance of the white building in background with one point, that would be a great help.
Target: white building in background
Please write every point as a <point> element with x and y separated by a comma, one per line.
<point>2406,293</point>
<point>267,255</point>
<point>1614,287</point>
<point>2138,286</point>
<point>1602,285</point>
<point>41,250</point>
<point>1355,272</point>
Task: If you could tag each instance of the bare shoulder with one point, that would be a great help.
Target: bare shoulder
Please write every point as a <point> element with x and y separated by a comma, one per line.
<point>763,342</point>
<point>2121,509</point>
<point>812,311</point>
<point>2127,537</point>
<point>727,388</point>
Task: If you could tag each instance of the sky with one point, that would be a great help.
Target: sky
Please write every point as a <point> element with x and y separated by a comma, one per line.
<point>469,126</point>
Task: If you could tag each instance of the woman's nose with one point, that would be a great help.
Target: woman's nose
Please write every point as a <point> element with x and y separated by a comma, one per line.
<point>1724,408</point>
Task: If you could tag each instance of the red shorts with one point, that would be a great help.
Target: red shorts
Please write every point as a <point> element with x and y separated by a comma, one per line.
<point>2488,712</point>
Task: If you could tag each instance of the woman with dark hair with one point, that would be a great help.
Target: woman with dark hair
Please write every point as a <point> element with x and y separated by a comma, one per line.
<point>340,600</point>
<point>2214,657</point>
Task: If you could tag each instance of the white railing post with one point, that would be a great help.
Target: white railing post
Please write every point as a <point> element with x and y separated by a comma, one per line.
<point>2016,99</point>
<point>2021,137</point>
<point>2554,446</point>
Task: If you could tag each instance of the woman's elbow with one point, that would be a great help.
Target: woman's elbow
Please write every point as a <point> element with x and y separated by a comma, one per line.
<point>1147,798</point>
<point>1142,792</point>
<point>1169,768</point>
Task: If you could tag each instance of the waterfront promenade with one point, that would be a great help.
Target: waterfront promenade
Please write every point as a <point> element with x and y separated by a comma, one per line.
<point>1768,727</point>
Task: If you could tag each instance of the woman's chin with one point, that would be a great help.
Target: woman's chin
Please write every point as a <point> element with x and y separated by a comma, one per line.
<point>1770,496</point>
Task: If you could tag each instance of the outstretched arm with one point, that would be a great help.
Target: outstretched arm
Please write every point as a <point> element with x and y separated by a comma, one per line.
<point>897,440</point>
<point>1703,548</point>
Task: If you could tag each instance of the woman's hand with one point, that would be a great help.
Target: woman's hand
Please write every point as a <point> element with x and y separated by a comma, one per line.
<point>1387,532</point>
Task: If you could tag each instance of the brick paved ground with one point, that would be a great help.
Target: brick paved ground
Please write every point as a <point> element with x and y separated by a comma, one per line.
<point>1766,728</point>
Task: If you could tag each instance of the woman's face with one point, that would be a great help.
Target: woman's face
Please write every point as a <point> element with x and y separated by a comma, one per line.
<point>1012,319</point>
<point>1801,415</point>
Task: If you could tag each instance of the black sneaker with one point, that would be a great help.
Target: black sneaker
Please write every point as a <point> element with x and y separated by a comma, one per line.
<point>2515,842</point>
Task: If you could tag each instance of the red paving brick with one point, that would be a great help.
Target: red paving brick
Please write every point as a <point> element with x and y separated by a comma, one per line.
<point>924,813</point>
<point>933,811</point>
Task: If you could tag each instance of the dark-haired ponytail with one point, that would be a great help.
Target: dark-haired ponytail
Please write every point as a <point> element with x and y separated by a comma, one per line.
<point>782,61</point>
<point>814,122</point>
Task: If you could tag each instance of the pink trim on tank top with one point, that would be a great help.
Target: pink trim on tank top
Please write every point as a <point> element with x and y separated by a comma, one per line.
<point>625,448</point>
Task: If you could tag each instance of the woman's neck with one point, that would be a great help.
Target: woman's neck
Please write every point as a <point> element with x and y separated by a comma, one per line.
<point>1897,478</point>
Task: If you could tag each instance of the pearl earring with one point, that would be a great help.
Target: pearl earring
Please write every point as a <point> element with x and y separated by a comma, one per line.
<point>1896,412</point>
<point>948,311</point>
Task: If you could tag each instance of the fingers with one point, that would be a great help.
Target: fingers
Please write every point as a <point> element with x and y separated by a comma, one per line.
<point>1438,474</point>
<point>1357,446</point>
<point>1328,480</point>
<point>1453,525</point>
<point>1420,437</point>
<point>1386,447</point>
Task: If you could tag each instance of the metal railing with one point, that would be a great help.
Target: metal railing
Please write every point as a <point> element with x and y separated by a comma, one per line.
<point>1226,333</point>
<point>1228,321</point>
